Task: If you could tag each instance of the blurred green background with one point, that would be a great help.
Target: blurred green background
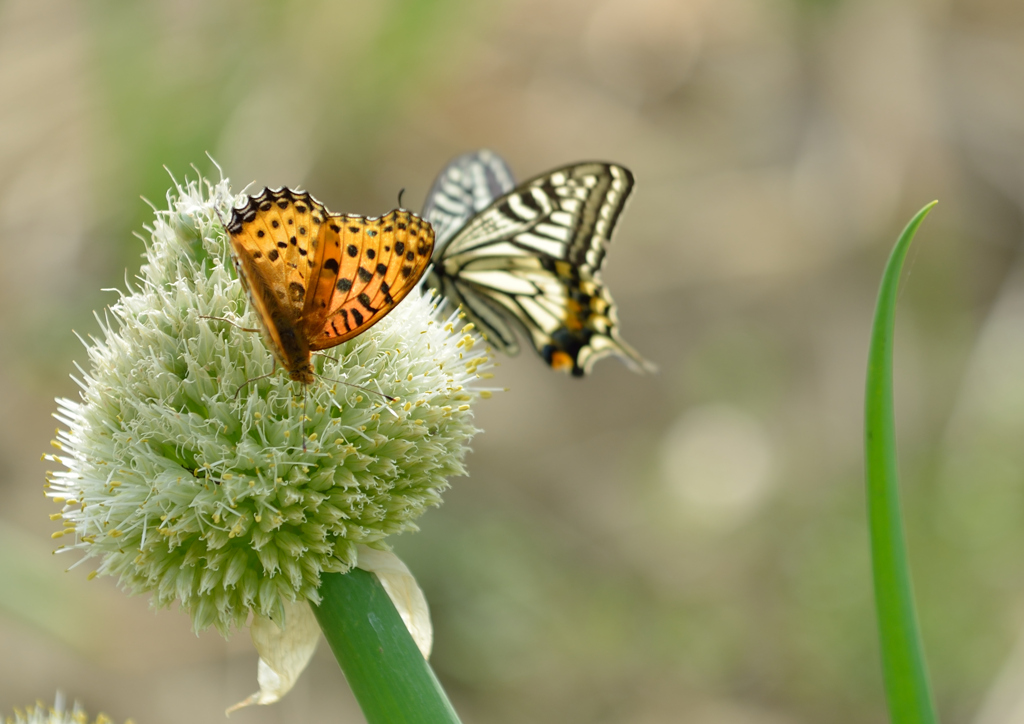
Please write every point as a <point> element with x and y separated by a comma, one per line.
<point>687,546</point>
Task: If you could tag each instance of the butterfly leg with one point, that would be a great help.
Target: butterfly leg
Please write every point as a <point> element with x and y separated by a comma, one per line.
<point>255,379</point>
<point>233,324</point>
<point>324,354</point>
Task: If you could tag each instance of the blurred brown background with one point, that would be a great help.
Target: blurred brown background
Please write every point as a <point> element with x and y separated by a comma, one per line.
<point>688,546</point>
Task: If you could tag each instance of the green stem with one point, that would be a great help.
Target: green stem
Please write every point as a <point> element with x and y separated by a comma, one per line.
<point>903,665</point>
<point>389,676</point>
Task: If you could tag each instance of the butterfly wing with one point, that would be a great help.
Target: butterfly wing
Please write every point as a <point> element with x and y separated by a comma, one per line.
<point>274,240</point>
<point>466,186</point>
<point>532,260</point>
<point>365,266</point>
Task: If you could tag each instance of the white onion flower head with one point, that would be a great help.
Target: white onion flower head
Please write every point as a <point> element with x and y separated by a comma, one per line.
<point>56,714</point>
<point>229,503</point>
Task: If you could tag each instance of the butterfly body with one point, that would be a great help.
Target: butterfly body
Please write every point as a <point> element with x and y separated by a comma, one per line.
<point>528,258</point>
<point>317,279</point>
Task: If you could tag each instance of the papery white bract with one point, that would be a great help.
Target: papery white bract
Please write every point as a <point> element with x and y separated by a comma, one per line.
<point>285,650</point>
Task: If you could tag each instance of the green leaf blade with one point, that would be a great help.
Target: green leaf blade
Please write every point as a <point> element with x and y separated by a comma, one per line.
<point>903,665</point>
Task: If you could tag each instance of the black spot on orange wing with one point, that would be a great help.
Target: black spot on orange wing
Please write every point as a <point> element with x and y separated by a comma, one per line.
<point>364,299</point>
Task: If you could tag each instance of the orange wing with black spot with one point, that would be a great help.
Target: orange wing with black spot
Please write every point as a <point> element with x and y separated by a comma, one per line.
<point>365,267</point>
<point>317,279</point>
<point>275,240</point>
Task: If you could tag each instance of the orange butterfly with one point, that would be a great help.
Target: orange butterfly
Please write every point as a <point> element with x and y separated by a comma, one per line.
<point>317,279</point>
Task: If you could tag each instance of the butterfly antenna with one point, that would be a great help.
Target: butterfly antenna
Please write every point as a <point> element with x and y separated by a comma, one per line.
<point>302,422</point>
<point>367,390</point>
<point>220,218</point>
<point>400,192</point>
<point>389,398</point>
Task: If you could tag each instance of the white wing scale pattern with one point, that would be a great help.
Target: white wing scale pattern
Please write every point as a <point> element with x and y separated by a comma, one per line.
<point>464,188</point>
<point>531,259</point>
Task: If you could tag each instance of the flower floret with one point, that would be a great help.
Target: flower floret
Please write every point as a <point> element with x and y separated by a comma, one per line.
<point>198,474</point>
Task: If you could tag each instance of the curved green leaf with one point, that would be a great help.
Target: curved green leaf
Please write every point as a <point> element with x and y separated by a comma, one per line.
<point>906,677</point>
